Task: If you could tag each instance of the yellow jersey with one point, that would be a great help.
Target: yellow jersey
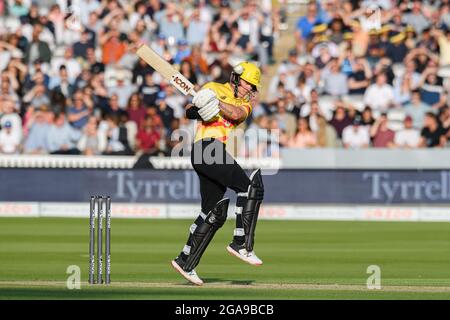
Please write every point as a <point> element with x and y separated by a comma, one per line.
<point>219,127</point>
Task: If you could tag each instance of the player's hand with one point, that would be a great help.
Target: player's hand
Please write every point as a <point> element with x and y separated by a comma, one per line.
<point>210,110</point>
<point>203,97</point>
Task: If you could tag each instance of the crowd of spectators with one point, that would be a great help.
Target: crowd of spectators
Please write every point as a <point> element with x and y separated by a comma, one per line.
<point>359,74</point>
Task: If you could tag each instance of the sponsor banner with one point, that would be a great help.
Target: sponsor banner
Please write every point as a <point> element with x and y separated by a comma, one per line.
<point>306,187</point>
<point>267,212</point>
<point>19,209</point>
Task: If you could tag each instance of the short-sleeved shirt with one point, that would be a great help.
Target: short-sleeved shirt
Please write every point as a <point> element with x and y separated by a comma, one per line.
<point>219,128</point>
<point>432,139</point>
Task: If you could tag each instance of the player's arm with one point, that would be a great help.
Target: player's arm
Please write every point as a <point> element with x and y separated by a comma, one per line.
<point>233,113</point>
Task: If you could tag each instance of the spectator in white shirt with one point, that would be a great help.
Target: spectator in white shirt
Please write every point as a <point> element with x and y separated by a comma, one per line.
<point>408,137</point>
<point>356,136</point>
<point>380,95</point>
<point>9,142</point>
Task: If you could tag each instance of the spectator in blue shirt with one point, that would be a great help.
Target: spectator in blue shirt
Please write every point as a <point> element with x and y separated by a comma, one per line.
<point>62,138</point>
<point>78,114</point>
<point>306,23</point>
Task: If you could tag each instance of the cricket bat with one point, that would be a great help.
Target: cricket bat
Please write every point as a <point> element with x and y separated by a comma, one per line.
<point>166,70</point>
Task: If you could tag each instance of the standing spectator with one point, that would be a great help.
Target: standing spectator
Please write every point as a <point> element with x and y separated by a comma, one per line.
<point>432,134</point>
<point>380,95</point>
<point>196,29</point>
<point>306,23</point>
<point>408,137</point>
<point>61,137</point>
<point>356,136</point>
<point>382,136</point>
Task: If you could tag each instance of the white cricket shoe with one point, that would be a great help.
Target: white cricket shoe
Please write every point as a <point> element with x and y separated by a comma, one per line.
<point>241,253</point>
<point>191,276</point>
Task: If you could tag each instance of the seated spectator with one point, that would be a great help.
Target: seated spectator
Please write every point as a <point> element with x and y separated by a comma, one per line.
<point>380,95</point>
<point>340,119</point>
<point>116,136</point>
<point>149,90</point>
<point>37,49</point>
<point>356,135</point>
<point>382,136</point>
<point>406,83</point>
<point>286,120</point>
<point>147,139</point>
<point>431,86</point>
<point>360,78</point>
<point>416,109</point>
<point>408,137</point>
<point>165,112</point>
<point>61,137</point>
<point>136,109</point>
<point>304,138</point>
<point>80,47</point>
<point>326,134</point>
<point>78,114</point>
<point>62,84</point>
<point>10,115</point>
<point>38,126</point>
<point>9,142</point>
<point>367,118</point>
<point>335,82</point>
<point>432,134</point>
<point>122,89</point>
<point>397,50</point>
<point>187,71</point>
<point>92,142</point>
<point>37,96</point>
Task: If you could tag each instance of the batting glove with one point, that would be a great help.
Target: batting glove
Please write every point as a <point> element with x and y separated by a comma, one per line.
<point>210,110</point>
<point>203,97</point>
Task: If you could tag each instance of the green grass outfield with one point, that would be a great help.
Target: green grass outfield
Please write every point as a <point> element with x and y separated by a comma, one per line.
<point>302,260</point>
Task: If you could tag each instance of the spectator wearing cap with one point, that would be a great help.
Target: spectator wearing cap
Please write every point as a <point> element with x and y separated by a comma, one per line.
<point>335,82</point>
<point>397,50</point>
<point>432,134</point>
<point>183,51</point>
<point>356,135</point>
<point>380,95</point>
<point>9,142</point>
<point>382,136</point>
<point>416,109</point>
<point>9,114</point>
<point>306,23</point>
<point>408,137</point>
<point>165,112</point>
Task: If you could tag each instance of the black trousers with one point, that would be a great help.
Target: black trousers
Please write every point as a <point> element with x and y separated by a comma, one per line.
<point>217,171</point>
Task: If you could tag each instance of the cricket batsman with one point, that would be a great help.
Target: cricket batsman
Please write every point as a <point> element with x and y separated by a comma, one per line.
<point>219,108</point>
